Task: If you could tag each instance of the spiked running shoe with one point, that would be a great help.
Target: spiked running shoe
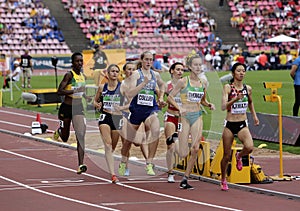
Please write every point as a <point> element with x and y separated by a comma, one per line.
<point>122,169</point>
<point>56,135</point>
<point>127,173</point>
<point>184,185</point>
<point>239,163</point>
<point>171,178</point>
<point>82,168</point>
<point>224,186</point>
<point>149,169</point>
<point>114,179</point>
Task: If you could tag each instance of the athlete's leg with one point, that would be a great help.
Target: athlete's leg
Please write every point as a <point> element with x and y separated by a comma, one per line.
<point>227,138</point>
<point>183,137</point>
<point>105,133</point>
<point>245,137</point>
<point>64,128</point>
<point>79,124</point>
<point>196,134</point>
<point>152,129</point>
<point>170,129</point>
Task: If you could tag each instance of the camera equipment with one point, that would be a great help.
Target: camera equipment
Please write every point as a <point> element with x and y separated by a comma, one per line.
<point>54,61</point>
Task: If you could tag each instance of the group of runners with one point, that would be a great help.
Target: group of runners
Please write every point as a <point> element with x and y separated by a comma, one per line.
<point>129,109</point>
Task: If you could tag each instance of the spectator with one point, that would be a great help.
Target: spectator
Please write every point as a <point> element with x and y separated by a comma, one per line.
<point>156,64</point>
<point>263,61</point>
<point>295,74</point>
<point>14,76</point>
<point>217,61</point>
<point>27,67</point>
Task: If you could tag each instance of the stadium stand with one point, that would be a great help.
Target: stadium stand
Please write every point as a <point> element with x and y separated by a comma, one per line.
<point>29,25</point>
<point>141,25</point>
<point>260,20</point>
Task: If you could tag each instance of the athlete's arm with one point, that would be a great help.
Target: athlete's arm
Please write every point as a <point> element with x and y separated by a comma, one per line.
<point>97,102</point>
<point>205,103</point>
<point>171,98</point>
<point>162,88</point>
<point>225,103</point>
<point>133,89</point>
<point>63,84</point>
<point>251,106</point>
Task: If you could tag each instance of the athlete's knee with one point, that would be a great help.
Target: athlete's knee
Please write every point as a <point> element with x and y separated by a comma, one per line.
<point>80,135</point>
<point>248,149</point>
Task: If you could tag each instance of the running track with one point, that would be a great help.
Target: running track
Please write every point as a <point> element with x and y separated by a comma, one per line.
<point>40,175</point>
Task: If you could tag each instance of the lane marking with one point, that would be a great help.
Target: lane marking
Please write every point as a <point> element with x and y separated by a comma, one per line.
<point>58,185</point>
<point>44,118</point>
<point>61,181</point>
<point>139,202</point>
<point>124,185</point>
<point>56,195</point>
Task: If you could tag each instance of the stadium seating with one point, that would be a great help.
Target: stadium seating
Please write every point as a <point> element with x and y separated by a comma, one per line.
<point>20,36</point>
<point>179,40</point>
<point>263,12</point>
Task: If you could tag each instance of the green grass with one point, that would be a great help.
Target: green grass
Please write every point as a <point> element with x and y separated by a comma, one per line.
<point>255,79</point>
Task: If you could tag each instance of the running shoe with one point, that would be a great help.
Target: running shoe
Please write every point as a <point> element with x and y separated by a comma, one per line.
<point>239,163</point>
<point>224,186</point>
<point>171,178</point>
<point>122,169</point>
<point>149,169</point>
<point>114,179</point>
<point>184,185</point>
<point>82,168</point>
<point>56,135</point>
<point>127,173</point>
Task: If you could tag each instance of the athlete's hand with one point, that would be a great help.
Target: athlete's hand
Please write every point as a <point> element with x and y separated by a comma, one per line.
<point>98,105</point>
<point>240,95</point>
<point>161,103</point>
<point>256,121</point>
<point>146,80</point>
<point>211,106</point>
<point>79,89</point>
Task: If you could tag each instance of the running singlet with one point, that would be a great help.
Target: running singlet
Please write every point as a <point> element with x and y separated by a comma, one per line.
<point>111,98</point>
<point>176,98</point>
<point>239,107</point>
<point>146,97</point>
<point>192,94</point>
<point>76,82</point>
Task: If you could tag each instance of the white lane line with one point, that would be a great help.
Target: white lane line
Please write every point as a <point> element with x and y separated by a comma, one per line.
<point>58,185</point>
<point>124,185</point>
<point>51,131</point>
<point>138,202</point>
<point>33,117</point>
<point>56,195</point>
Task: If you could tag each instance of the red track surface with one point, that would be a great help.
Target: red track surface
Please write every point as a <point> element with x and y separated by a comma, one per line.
<point>41,176</point>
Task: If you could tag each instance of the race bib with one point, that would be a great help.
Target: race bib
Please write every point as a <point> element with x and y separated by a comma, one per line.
<point>145,97</point>
<point>239,107</point>
<point>109,102</point>
<point>194,96</point>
